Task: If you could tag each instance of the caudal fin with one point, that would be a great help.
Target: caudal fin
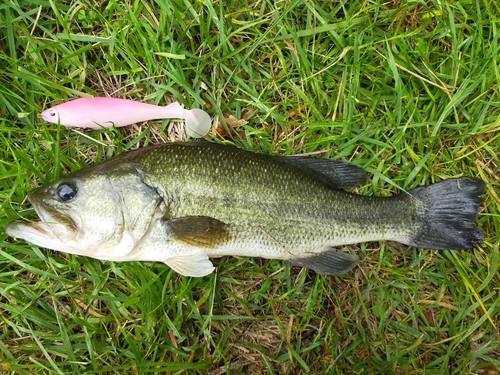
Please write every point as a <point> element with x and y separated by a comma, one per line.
<point>447,211</point>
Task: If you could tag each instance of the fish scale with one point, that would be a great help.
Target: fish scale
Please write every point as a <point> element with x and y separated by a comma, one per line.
<point>277,192</point>
<point>183,203</point>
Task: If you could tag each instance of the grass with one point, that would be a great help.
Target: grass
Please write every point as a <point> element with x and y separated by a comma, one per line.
<point>407,90</point>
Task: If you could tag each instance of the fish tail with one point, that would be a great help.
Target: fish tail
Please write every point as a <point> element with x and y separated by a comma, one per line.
<point>447,211</point>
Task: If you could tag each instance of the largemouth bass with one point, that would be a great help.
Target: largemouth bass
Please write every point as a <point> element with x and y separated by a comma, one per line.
<point>183,203</point>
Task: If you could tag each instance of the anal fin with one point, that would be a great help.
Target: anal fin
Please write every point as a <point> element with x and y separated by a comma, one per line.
<point>329,262</point>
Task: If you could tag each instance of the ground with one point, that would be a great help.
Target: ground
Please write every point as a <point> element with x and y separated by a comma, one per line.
<point>407,90</point>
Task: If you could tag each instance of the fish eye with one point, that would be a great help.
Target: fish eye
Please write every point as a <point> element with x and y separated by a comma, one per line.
<point>66,192</point>
<point>52,113</point>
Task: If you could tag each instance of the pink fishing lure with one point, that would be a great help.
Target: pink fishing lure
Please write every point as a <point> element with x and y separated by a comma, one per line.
<point>103,112</point>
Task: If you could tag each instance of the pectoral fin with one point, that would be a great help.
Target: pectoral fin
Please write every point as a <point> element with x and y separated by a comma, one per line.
<point>199,231</point>
<point>330,262</point>
<point>196,264</point>
<point>178,243</point>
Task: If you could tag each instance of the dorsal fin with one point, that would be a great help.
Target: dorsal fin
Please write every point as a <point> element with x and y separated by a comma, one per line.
<point>333,173</point>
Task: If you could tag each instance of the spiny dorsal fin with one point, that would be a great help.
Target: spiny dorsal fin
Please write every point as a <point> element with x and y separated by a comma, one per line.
<point>334,173</point>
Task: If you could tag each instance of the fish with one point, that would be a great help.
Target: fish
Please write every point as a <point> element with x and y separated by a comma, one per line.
<point>104,112</point>
<point>186,203</point>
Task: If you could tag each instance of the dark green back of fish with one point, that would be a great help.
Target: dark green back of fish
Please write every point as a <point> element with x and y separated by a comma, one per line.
<point>293,208</point>
<point>293,203</point>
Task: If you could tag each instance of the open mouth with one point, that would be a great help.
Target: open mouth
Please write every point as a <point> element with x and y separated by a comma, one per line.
<point>54,230</point>
<point>42,228</point>
<point>53,221</point>
<point>52,224</point>
<point>38,233</point>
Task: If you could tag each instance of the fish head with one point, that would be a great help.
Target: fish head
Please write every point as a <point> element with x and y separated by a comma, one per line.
<point>59,115</point>
<point>84,113</point>
<point>82,215</point>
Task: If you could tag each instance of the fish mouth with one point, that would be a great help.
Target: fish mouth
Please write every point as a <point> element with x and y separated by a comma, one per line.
<point>46,116</point>
<point>54,230</point>
<point>53,221</point>
<point>36,232</point>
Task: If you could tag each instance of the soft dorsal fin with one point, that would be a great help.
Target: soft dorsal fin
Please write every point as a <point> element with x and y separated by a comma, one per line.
<point>330,262</point>
<point>334,173</point>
